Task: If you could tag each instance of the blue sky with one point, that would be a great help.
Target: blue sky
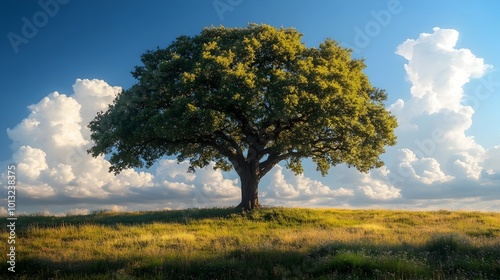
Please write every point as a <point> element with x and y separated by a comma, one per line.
<point>103,40</point>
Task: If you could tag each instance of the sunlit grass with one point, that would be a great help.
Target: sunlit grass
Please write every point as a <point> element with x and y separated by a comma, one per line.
<point>272,243</point>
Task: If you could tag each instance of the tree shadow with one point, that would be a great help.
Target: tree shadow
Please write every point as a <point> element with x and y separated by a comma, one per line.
<point>108,218</point>
<point>442,257</point>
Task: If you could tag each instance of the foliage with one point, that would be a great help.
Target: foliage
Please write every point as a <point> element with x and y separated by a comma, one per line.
<point>247,98</point>
<point>284,243</point>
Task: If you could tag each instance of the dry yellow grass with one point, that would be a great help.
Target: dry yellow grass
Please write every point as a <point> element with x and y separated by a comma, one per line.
<point>270,243</point>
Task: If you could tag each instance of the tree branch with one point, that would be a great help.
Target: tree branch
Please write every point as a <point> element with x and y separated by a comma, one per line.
<point>279,126</point>
<point>275,158</point>
<point>230,141</point>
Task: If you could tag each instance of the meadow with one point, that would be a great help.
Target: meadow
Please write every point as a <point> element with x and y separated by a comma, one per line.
<point>268,243</point>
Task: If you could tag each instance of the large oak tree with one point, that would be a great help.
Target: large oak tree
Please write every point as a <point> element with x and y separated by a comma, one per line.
<point>247,98</point>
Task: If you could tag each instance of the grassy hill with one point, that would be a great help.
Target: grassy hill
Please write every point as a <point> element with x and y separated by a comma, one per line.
<point>270,243</point>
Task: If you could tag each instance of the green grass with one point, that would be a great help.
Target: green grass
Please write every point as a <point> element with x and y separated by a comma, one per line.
<point>270,243</point>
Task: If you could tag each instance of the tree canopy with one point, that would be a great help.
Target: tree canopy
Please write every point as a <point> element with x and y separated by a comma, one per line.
<point>247,98</point>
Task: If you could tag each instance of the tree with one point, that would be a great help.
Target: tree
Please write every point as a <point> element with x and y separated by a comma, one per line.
<point>247,98</point>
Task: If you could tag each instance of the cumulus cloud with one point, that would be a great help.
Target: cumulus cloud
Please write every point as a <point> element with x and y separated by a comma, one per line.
<point>50,149</point>
<point>54,121</point>
<point>31,161</point>
<point>426,170</point>
<point>492,161</point>
<point>434,158</point>
<point>438,70</point>
<point>301,190</point>
<point>206,187</point>
<point>435,118</point>
<point>434,149</point>
<point>378,190</point>
<point>375,186</point>
<point>435,164</point>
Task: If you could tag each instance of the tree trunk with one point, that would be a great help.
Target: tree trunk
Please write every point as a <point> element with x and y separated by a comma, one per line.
<point>250,179</point>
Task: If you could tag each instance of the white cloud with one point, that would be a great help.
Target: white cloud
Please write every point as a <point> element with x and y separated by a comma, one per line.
<point>426,170</point>
<point>93,96</point>
<point>378,190</point>
<point>62,173</point>
<point>54,121</point>
<point>466,166</point>
<point>50,147</point>
<point>280,187</point>
<point>3,211</point>
<point>50,150</point>
<point>433,147</point>
<point>77,211</point>
<point>31,161</point>
<point>206,186</point>
<point>435,113</point>
<point>438,70</point>
<point>291,189</point>
<point>492,161</point>
<point>435,164</point>
<point>169,168</point>
<point>375,185</point>
<point>36,191</point>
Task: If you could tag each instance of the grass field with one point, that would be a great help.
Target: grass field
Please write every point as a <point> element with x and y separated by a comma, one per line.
<point>270,243</point>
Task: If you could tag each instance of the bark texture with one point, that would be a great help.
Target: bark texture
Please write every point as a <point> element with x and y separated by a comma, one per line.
<point>250,177</point>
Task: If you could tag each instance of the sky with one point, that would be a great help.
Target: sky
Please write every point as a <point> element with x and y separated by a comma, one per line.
<point>62,61</point>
